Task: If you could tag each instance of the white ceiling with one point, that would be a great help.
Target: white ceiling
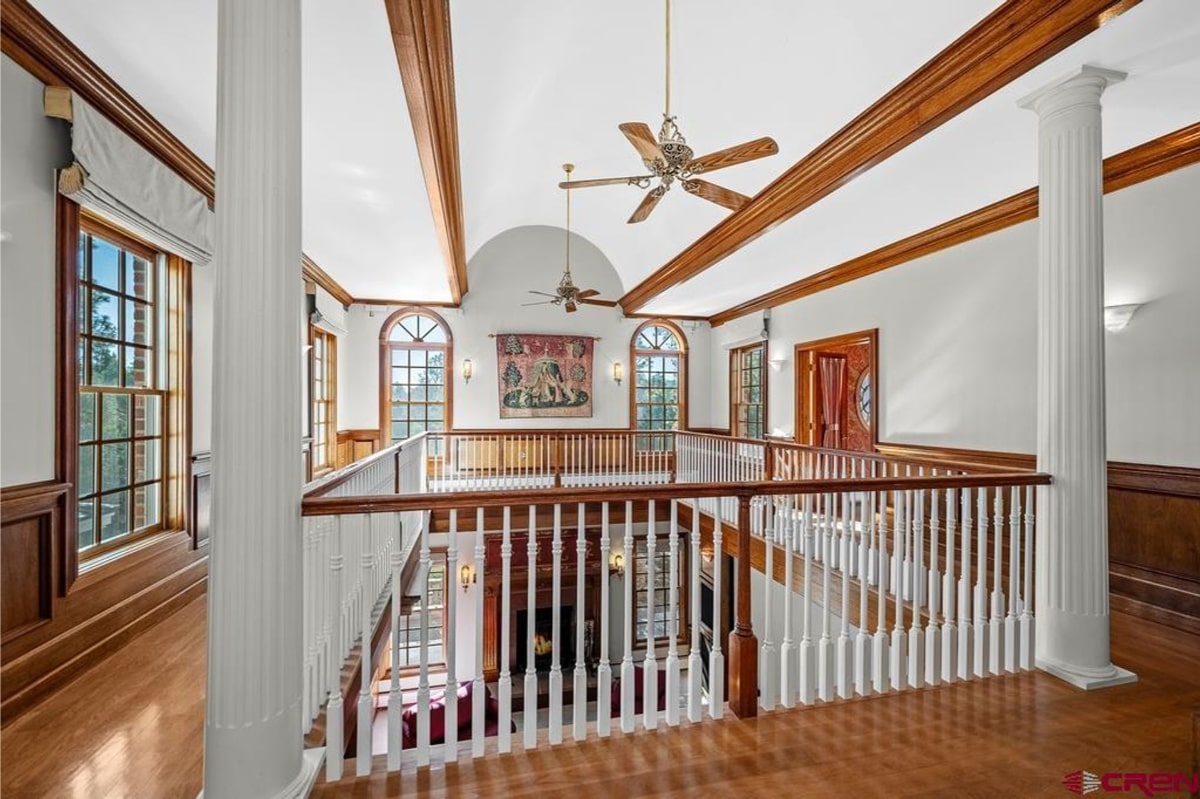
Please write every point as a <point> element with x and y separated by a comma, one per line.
<point>366,215</point>
<point>541,82</point>
<point>983,155</point>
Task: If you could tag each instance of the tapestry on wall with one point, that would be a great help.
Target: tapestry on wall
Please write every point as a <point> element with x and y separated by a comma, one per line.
<point>544,376</point>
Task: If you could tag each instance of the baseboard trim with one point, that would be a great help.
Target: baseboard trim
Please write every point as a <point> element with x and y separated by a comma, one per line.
<point>29,696</point>
<point>1160,615</point>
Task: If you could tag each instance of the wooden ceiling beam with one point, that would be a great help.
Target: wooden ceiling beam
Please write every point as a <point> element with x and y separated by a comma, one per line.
<point>1010,41</point>
<point>312,271</point>
<point>421,37</point>
<point>1144,162</point>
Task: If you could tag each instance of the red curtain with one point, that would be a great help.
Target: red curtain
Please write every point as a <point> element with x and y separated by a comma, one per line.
<point>832,371</point>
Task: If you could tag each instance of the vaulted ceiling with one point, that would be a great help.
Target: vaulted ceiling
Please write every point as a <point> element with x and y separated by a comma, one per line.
<point>542,82</point>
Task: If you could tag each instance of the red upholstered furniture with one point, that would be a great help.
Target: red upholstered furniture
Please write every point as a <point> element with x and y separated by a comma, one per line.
<point>437,717</point>
<point>639,688</point>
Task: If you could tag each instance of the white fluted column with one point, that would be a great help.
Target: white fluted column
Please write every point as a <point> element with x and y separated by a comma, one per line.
<point>1072,628</point>
<point>252,735</point>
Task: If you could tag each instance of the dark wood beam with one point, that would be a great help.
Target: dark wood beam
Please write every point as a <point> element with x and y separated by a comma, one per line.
<point>1150,160</point>
<point>421,37</point>
<point>1010,41</point>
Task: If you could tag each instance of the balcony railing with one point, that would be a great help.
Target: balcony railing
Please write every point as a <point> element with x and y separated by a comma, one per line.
<point>884,574</point>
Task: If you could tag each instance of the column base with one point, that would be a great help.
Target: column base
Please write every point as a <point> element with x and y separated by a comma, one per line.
<point>302,786</point>
<point>1090,680</point>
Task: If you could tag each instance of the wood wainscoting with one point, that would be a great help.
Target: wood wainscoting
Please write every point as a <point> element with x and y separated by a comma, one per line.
<point>1153,531</point>
<point>354,445</point>
<point>51,635</point>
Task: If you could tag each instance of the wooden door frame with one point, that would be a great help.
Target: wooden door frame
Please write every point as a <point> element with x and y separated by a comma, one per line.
<point>804,353</point>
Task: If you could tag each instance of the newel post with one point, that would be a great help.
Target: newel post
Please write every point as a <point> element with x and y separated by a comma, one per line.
<point>768,461</point>
<point>743,646</point>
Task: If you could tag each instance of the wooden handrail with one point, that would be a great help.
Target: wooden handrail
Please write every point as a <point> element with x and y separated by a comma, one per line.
<point>326,506</point>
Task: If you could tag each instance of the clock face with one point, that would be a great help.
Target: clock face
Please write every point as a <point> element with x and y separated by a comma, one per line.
<point>863,396</point>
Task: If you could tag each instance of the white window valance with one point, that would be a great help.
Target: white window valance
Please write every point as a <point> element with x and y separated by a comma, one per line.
<point>119,179</point>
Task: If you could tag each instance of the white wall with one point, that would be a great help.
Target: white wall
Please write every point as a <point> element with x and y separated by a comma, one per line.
<point>31,147</point>
<point>957,335</point>
<point>500,277</point>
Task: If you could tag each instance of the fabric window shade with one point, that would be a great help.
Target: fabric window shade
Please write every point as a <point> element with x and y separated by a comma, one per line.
<point>833,392</point>
<point>120,180</point>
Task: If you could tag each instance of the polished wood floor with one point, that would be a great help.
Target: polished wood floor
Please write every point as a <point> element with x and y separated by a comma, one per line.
<point>133,727</point>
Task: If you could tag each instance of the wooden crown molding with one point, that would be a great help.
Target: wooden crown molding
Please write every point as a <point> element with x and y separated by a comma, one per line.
<point>421,37</point>
<point>312,271</point>
<point>29,39</point>
<point>1144,162</point>
<point>1004,45</point>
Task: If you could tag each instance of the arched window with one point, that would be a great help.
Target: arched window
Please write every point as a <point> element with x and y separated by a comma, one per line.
<point>659,385</point>
<point>415,357</point>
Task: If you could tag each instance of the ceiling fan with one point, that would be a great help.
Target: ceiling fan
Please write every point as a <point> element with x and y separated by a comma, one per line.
<point>669,158</point>
<point>567,293</point>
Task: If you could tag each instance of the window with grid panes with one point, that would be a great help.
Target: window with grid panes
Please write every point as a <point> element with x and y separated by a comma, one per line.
<point>324,398</point>
<point>748,391</point>
<point>409,654</point>
<point>122,396</point>
<point>417,358</point>
<point>652,618</point>
<point>659,380</point>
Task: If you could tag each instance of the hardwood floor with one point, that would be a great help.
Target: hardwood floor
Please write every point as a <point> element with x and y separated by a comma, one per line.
<point>133,727</point>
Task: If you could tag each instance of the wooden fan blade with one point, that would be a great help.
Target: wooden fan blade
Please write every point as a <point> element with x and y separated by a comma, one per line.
<point>647,204</point>
<point>715,194</point>
<point>602,303</point>
<point>642,139</point>
<point>638,180</point>
<point>737,154</point>
<point>570,306</point>
<point>583,295</point>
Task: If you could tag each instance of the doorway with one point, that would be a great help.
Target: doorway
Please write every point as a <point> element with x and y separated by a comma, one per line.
<point>837,392</point>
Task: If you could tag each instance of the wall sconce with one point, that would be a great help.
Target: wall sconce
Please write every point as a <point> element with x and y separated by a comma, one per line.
<point>618,372</point>
<point>466,576</point>
<point>706,554</point>
<point>616,563</point>
<point>1117,316</point>
<point>468,369</point>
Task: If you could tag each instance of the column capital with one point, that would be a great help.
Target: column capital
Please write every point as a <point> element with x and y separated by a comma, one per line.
<point>1083,86</point>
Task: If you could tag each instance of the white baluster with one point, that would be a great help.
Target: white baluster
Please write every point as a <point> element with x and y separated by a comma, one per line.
<point>627,672</point>
<point>650,663</point>
<point>716,659</point>
<point>395,698</point>
<point>808,671</point>
<point>768,664</point>
<point>479,688</point>
<point>880,675</point>
<point>898,648</point>
<point>579,700</point>
<point>981,598</point>
<point>996,625</point>
<point>950,636</point>
<point>915,502</point>
<point>673,618</point>
<point>531,681</point>
<point>933,594</point>
<point>449,641</point>
<point>504,742</point>
<point>556,683</point>
<point>694,664</point>
<point>366,710</point>
<point>966,629</point>
<point>825,651</point>
<point>844,655</point>
<point>862,640</point>
<point>604,671</point>
<point>1027,622</point>
<point>786,526</point>
<point>1014,561</point>
<point>423,715</point>
<point>334,747</point>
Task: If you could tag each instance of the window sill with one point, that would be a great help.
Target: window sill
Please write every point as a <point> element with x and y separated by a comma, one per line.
<point>116,560</point>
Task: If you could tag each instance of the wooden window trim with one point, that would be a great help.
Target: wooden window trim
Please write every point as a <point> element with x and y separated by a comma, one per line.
<point>735,372</point>
<point>681,353</point>
<point>385,356</point>
<point>174,349</point>
<point>329,342</point>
